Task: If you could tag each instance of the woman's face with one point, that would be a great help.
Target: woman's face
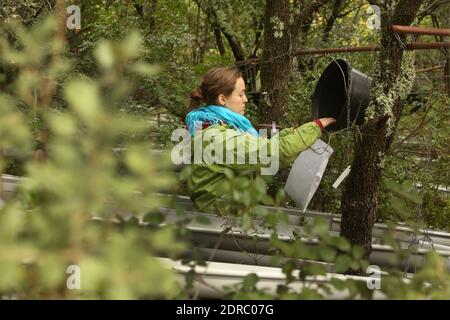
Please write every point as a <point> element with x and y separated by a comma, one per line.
<point>236,100</point>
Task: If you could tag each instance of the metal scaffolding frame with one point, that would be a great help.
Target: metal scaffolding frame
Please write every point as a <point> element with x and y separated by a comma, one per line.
<point>250,67</point>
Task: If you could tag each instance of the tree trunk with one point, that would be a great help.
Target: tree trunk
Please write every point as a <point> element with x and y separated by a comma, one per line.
<point>277,60</point>
<point>284,24</point>
<point>331,20</point>
<point>219,41</point>
<point>210,9</point>
<point>259,25</point>
<point>235,46</point>
<point>392,83</point>
<point>151,14</point>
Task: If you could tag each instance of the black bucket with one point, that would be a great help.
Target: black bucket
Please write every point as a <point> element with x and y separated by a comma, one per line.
<point>342,93</point>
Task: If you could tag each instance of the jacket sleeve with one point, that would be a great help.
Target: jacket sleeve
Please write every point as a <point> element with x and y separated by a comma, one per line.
<point>284,147</point>
<point>293,141</point>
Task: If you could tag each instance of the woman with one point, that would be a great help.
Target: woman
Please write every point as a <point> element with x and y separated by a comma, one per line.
<point>219,104</point>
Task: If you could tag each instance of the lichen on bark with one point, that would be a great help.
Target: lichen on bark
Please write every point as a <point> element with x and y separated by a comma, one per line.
<point>387,93</point>
<point>278,27</point>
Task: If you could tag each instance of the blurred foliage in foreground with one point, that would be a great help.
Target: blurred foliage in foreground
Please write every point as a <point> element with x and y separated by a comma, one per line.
<point>73,174</point>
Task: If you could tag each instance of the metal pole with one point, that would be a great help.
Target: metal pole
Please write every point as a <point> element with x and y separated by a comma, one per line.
<point>409,46</point>
<point>421,30</point>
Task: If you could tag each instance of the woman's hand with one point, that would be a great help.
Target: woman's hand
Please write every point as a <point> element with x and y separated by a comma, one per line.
<point>327,121</point>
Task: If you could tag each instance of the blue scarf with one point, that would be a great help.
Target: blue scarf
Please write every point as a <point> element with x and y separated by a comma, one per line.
<point>212,115</point>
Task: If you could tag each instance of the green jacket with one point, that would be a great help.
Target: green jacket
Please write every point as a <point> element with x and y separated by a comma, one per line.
<point>204,178</point>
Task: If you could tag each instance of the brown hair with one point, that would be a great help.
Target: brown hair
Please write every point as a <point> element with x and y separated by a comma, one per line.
<point>215,82</point>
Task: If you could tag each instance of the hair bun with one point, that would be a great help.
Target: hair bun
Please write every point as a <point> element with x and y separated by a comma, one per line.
<point>197,95</point>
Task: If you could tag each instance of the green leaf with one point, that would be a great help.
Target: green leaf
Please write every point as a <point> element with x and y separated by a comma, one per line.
<point>321,227</point>
<point>354,265</point>
<point>229,174</point>
<point>282,216</point>
<point>271,219</point>
<point>131,46</point>
<point>14,133</point>
<point>358,252</point>
<point>280,196</point>
<point>288,268</point>
<point>303,251</point>
<point>282,290</point>
<point>267,200</point>
<point>189,278</point>
<point>137,161</point>
<point>104,54</point>
<point>338,284</point>
<point>237,195</point>
<point>63,125</point>
<point>315,269</point>
<point>12,222</point>
<point>83,97</point>
<point>250,281</point>
<point>154,218</point>
<point>144,69</point>
<point>342,263</point>
<point>342,244</point>
<point>246,221</point>
<point>11,274</point>
<point>202,220</point>
<point>327,253</point>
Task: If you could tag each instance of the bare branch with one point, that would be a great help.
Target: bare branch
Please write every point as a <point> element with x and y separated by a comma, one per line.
<point>234,43</point>
<point>303,20</point>
<point>357,8</point>
<point>432,8</point>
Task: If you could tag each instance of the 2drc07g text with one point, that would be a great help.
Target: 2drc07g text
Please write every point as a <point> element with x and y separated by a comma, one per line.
<point>227,309</point>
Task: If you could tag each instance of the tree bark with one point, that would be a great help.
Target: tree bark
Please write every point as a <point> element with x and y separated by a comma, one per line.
<point>392,84</point>
<point>277,60</point>
<point>331,19</point>
<point>259,25</point>
<point>151,14</point>
<point>284,24</point>
<point>195,51</point>
<point>209,8</point>
<point>219,41</point>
